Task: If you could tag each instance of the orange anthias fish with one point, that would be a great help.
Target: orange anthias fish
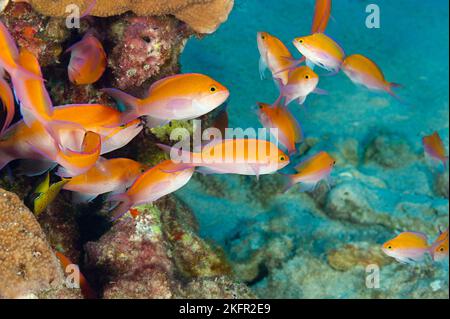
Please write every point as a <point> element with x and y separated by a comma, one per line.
<point>86,289</point>
<point>177,97</point>
<point>439,249</point>
<point>407,247</point>
<point>312,171</point>
<point>34,99</point>
<point>279,117</point>
<point>161,180</point>
<point>114,175</point>
<point>302,81</point>
<point>87,61</point>
<point>7,102</point>
<point>435,148</point>
<point>321,50</point>
<point>275,56</point>
<point>74,163</point>
<point>322,12</point>
<point>232,156</point>
<point>17,140</point>
<point>361,70</point>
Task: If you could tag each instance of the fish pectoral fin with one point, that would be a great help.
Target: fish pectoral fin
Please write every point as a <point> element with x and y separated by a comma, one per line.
<point>262,68</point>
<point>301,100</point>
<point>255,169</point>
<point>320,91</point>
<point>152,122</point>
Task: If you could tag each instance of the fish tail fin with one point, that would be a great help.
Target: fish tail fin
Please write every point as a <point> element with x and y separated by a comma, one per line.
<point>126,103</point>
<point>4,158</point>
<point>123,207</point>
<point>390,89</point>
<point>177,155</point>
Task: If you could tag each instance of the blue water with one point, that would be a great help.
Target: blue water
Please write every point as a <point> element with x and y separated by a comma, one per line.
<point>412,48</point>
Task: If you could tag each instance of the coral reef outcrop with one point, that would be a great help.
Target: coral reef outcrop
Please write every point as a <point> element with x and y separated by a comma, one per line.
<point>204,16</point>
<point>159,255</point>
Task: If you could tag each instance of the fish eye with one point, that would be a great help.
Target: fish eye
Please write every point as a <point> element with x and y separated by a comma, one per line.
<point>213,88</point>
<point>306,76</point>
<point>263,36</point>
<point>389,247</point>
<point>282,158</point>
<point>441,249</point>
<point>300,41</point>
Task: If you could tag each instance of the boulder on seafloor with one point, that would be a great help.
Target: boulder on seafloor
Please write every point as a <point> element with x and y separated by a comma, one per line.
<point>28,266</point>
<point>159,255</point>
<point>390,151</point>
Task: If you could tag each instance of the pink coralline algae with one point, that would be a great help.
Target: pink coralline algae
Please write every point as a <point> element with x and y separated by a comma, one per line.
<point>145,48</point>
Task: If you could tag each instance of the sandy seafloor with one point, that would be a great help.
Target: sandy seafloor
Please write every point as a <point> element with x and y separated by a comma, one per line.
<point>281,243</point>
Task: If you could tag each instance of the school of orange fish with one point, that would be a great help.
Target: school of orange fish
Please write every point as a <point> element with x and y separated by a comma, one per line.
<point>74,137</point>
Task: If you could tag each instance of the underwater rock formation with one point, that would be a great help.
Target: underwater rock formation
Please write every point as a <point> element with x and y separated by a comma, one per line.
<point>390,151</point>
<point>156,254</point>
<point>28,266</point>
<point>204,16</point>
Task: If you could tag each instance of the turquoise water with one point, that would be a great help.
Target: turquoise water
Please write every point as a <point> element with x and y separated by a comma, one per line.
<point>245,217</point>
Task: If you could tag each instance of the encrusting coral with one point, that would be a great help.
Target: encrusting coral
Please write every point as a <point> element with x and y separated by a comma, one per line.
<point>204,16</point>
